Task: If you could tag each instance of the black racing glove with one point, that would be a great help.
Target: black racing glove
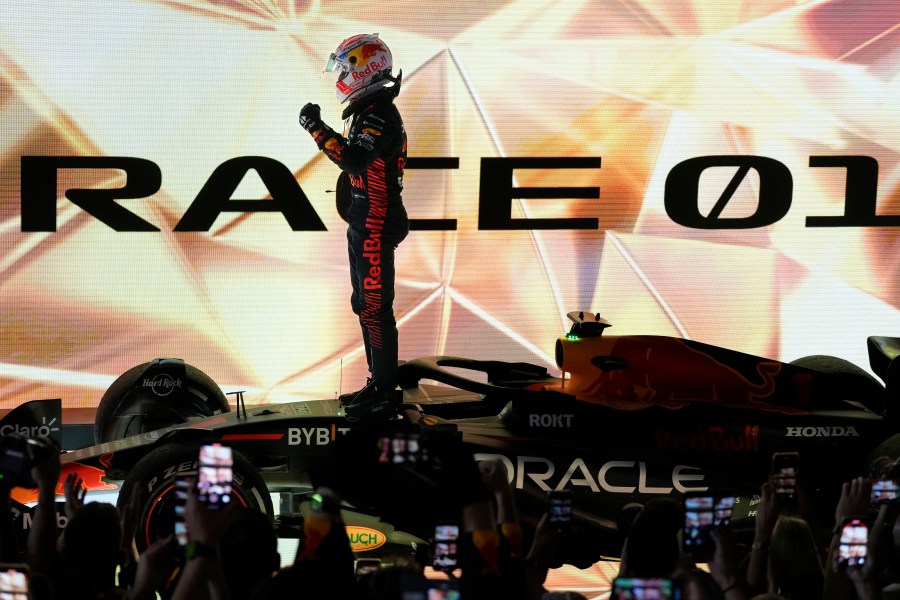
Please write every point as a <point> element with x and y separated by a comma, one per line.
<point>310,116</point>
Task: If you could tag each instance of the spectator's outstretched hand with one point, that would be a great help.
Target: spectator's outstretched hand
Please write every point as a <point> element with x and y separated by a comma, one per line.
<point>495,478</point>
<point>878,548</point>
<point>494,475</point>
<point>855,499</point>
<point>205,525</point>
<point>41,545</point>
<point>154,569</point>
<point>767,512</point>
<point>75,492</point>
<point>687,580</point>
<point>854,502</point>
<point>129,525</point>
<point>548,550</point>
<point>45,467</point>
<point>724,565</point>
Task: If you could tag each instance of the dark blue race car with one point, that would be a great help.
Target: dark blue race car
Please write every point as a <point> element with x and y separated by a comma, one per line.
<point>629,419</point>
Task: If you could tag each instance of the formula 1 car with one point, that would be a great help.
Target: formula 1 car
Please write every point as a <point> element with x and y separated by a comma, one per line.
<point>630,418</point>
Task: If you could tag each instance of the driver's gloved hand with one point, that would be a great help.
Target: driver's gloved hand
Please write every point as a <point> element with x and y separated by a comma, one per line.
<point>310,116</point>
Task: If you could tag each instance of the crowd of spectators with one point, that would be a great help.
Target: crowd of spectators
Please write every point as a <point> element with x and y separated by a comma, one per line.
<point>502,554</point>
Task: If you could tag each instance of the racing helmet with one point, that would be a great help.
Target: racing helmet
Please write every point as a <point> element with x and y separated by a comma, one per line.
<point>364,63</point>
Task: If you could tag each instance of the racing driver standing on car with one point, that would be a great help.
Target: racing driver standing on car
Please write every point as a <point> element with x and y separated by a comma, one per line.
<point>371,157</point>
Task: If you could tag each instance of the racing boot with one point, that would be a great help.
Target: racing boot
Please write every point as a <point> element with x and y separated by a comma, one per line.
<point>371,402</point>
<point>347,398</point>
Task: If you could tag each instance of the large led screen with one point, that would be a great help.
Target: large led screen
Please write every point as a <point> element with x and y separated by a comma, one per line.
<point>725,171</point>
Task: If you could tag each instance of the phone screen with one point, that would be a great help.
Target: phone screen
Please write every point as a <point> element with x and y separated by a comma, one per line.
<point>364,566</point>
<point>401,449</point>
<point>180,527</point>
<point>634,588</point>
<point>442,589</point>
<point>446,542</point>
<point>852,548</point>
<point>559,509</point>
<point>13,582</point>
<point>215,475</point>
<point>13,460</point>
<point>785,466</point>
<point>699,521</point>
<point>723,509</point>
<point>884,491</point>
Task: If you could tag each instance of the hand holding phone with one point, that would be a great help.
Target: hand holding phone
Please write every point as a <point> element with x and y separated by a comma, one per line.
<point>641,588</point>
<point>180,526</point>
<point>884,491</point>
<point>402,448</point>
<point>365,566</point>
<point>699,522</point>
<point>559,510</point>
<point>723,509</point>
<point>785,468</point>
<point>214,478</point>
<point>853,546</point>
<point>14,578</point>
<point>445,546</point>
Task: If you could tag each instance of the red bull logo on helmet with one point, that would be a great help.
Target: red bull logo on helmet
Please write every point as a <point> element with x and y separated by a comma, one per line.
<point>372,67</point>
<point>367,51</point>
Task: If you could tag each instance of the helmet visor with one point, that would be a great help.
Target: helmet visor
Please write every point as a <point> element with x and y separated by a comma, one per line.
<point>336,63</point>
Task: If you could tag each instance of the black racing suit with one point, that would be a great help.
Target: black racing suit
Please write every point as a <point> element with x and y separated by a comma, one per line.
<point>373,155</point>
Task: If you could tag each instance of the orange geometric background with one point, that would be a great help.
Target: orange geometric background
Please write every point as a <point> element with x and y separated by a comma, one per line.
<point>644,85</point>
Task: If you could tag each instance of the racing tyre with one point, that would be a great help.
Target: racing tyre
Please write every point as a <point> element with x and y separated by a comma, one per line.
<point>155,395</point>
<point>152,479</point>
<point>889,448</point>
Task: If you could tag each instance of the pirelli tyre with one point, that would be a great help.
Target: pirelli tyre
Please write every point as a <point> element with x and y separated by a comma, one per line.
<point>151,485</point>
<point>881,459</point>
<point>155,395</point>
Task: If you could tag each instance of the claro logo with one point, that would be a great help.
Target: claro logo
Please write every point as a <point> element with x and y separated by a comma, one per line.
<point>162,384</point>
<point>32,431</point>
<point>615,476</point>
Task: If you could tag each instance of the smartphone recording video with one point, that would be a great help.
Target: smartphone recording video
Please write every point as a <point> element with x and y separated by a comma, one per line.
<point>413,587</point>
<point>180,527</point>
<point>852,549</point>
<point>442,589</point>
<point>559,509</point>
<point>365,566</point>
<point>723,509</point>
<point>402,449</point>
<point>215,475</point>
<point>444,548</point>
<point>785,467</point>
<point>884,491</point>
<point>634,588</point>
<point>14,581</point>
<point>699,521</point>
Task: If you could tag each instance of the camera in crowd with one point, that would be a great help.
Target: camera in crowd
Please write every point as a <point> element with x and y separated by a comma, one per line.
<point>885,480</point>
<point>18,454</point>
